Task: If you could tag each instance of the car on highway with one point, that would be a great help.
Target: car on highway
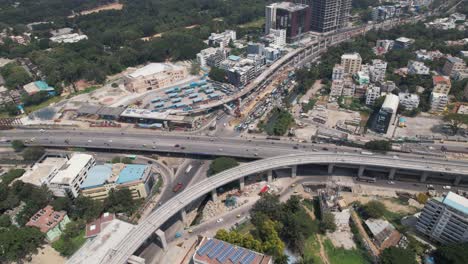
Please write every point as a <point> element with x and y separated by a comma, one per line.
<point>178,187</point>
<point>219,220</point>
<point>176,145</point>
<point>446,187</point>
<point>391,182</point>
<point>89,141</point>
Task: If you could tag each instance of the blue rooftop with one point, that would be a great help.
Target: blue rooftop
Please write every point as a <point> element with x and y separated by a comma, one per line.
<point>97,176</point>
<point>131,172</point>
<point>234,57</point>
<point>457,202</point>
<point>43,86</point>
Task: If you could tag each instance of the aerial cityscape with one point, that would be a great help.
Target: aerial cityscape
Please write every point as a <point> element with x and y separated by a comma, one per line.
<point>234,132</point>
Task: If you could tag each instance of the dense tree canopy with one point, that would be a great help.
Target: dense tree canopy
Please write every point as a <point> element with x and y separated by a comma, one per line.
<point>14,75</point>
<point>380,145</point>
<point>221,164</point>
<point>396,255</point>
<point>374,209</point>
<point>452,254</point>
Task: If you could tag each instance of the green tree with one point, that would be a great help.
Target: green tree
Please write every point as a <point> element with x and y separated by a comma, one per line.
<point>86,208</point>
<point>120,201</point>
<point>456,121</point>
<point>5,221</point>
<point>327,223</point>
<point>195,68</point>
<point>71,239</point>
<point>396,255</point>
<point>17,145</point>
<point>374,209</point>
<point>17,243</point>
<point>452,254</point>
<point>33,153</point>
<point>221,164</point>
<point>12,174</point>
<point>217,74</point>
<point>14,75</point>
<point>379,145</point>
<point>422,198</point>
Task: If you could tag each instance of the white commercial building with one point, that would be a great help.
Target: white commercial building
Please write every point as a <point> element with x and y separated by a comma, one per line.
<point>445,219</point>
<point>154,76</point>
<point>68,38</point>
<point>377,71</point>
<point>409,101</point>
<point>417,67</point>
<point>438,102</point>
<point>351,62</point>
<point>278,36</point>
<point>67,179</point>
<point>372,93</point>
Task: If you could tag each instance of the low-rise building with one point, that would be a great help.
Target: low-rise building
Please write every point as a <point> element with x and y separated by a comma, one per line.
<point>50,222</point>
<point>154,76</point>
<point>445,219</point>
<point>211,57</point>
<point>214,251</point>
<point>361,77</point>
<point>383,233</point>
<point>336,88</point>
<point>38,86</point>
<point>104,178</point>
<point>403,43</point>
<point>66,181</point>
<point>385,12</point>
<point>452,65</point>
<point>95,227</point>
<point>278,37</point>
<point>94,250</point>
<point>441,84</point>
<point>372,93</point>
<point>409,101</point>
<point>272,54</point>
<point>68,38</point>
<point>221,39</point>
<point>439,102</point>
<point>417,67</point>
<point>44,168</point>
<point>423,54</point>
<point>383,46</point>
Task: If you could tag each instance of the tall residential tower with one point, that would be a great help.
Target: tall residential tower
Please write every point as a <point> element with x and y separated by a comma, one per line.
<point>328,15</point>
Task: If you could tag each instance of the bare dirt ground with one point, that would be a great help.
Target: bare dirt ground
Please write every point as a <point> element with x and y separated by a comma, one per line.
<point>47,255</point>
<point>389,202</point>
<point>113,6</point>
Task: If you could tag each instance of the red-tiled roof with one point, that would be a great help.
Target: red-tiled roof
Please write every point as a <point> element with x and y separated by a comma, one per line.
<point>440,79</point>
<point>46,219</point>
<point>95,227</point>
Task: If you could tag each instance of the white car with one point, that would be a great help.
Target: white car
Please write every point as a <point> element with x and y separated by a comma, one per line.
<point>446,187</point>
<point>219,220</point>
<point>89,141</point>
<point>391,182</point>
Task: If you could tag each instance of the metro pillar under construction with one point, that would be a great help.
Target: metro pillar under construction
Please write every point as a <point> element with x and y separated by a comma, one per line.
<point>424,176</point>
<point>361,170</point>
<point>270,175</point>
<point>162,238</point>
<point>214,195</point>
<point>241,183</point>
<point>294,171</point>
<point>391,174</point>
<point>331,167</point>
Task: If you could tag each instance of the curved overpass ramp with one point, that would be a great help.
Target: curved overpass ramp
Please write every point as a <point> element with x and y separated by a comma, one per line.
<point>146,228</point>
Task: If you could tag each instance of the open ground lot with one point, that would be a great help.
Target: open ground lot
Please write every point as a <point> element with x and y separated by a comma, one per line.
<point>422,126</point>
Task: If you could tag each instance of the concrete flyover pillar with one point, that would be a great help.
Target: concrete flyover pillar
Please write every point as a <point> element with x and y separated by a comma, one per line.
<point>183,215</point>
<point>214,195</point>
<point>457,180</point>
<point>294,171</point>
<point>241,183</point>
<point>270,175</point>
<point>424,176</point>
<point>136,260</point>
<point>361,170</point>
<point>391,174</point>
<point>162,238</point>
<point>331,166</point>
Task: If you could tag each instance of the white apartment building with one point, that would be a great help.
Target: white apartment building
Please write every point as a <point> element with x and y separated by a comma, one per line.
<point>279,37</point>
<point>409,101</point>
<point>372,93</point>
<point>351,62</point>
<point>336,88</point>
<point>377,71</point>
<point>222,39</point>
<point>445,219</point>
<point>211,57</point>
<point>338,72</point>
<point>67,179</point>
<point>441,84</point>
<point>438,102</point>
<point>417,67</point>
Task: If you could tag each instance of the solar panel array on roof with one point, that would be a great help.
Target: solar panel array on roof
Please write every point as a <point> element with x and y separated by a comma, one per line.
<point>221,258</point>
<point>202,251</point>
<point>216,250</point>
<point>239,253</point>
<point>248,259</point>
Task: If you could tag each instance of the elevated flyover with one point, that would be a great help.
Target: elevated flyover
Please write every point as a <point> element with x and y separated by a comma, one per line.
<point>153,222</point>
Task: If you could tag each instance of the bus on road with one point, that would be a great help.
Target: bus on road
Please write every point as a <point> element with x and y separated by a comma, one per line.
<point>188,169</point>
<point>366,179</point>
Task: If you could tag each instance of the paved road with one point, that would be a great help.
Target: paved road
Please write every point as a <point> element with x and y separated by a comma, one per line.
<point>175,143</point>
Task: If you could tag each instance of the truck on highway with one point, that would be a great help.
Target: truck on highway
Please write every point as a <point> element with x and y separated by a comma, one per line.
<point>188,169</point>
<point>366,179</point>
<point>366,153</point>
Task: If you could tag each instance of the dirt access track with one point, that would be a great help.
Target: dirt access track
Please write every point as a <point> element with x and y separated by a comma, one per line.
<point>113,6</point>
